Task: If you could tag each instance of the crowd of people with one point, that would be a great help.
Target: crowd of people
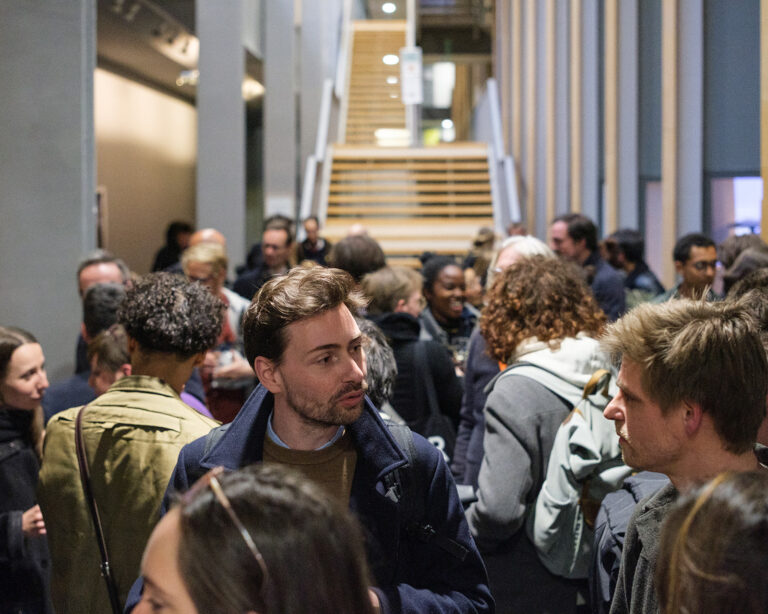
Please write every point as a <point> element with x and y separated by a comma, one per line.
<point>535,428</point>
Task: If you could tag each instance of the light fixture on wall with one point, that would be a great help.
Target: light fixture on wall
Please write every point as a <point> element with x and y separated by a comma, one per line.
<point>390,59</point>
<point>389,7</point>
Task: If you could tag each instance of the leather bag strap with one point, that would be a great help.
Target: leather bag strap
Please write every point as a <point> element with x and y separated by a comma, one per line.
<point>85,480</point>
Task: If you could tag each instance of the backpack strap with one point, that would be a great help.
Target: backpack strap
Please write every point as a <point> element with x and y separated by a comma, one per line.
<point>213,437</point>
<point>405,487</point>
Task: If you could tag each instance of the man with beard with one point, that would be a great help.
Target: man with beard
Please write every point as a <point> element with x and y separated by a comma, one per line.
<point>311,412</point>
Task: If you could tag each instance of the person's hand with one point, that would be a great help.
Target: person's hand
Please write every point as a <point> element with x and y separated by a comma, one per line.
<point>32,524</point>
<point>374,599</point>
<point>238,368</point>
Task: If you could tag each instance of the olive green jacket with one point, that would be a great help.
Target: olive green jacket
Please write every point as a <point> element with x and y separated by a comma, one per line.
<point>133,434</point>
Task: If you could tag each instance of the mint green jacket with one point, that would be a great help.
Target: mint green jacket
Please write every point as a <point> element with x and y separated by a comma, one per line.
<point>133,434</point>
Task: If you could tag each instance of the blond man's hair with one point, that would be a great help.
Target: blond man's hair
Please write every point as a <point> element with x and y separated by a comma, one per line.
<point>700,352</point>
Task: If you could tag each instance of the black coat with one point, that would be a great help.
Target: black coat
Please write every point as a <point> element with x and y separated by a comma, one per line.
<point>24,562</point>
<point>410,396</point>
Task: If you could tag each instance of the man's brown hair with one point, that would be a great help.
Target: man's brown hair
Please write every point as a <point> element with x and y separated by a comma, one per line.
<point>301,293</point>
<point>699,352</point>
<point>388,286</point>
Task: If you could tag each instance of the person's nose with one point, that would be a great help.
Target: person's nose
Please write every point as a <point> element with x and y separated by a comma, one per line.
<point>43,381</point>
<point>613,410</point>
<point>356,370</point>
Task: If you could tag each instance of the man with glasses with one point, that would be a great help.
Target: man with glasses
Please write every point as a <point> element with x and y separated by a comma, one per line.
<point>696,263</point>
<point>311,413</point>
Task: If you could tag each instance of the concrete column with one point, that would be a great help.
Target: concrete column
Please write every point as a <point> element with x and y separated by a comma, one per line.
<point>47,221</point>
<point>280,147</point>
<point>221,123</point>
<point>590,146</point>
<point>628,212</point>
<point>690,116</point>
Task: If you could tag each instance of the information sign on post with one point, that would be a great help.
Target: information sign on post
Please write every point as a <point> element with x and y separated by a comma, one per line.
<point>411,91</point>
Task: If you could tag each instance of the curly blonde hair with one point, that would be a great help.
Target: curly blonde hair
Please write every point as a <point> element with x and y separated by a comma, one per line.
<point>538,297</point>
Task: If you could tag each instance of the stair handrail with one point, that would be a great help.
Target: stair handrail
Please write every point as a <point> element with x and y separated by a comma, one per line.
<point>507,208</point>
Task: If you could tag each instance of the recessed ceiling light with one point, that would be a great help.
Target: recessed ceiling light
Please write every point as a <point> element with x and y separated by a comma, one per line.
<point>388,7</point>
<point>446,123</point>
<point>390,59</point>
<point>392,80</point>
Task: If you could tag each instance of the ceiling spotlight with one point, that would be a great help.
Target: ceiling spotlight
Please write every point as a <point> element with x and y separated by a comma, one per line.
<point>390,59</point>
<point>389,7</point>
<point>392,80</point>
<point>447,124</point>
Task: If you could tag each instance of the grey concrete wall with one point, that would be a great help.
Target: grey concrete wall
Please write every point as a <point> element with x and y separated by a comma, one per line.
<point>47,59</point>
<point>221,124</point>
<point>280,151</point>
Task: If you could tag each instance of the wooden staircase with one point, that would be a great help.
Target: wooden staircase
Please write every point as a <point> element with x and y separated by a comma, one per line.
<point>373,91</point>
<point>411,200</point>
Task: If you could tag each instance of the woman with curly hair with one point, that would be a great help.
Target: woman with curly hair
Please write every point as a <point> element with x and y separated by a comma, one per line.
<point>539,312</point>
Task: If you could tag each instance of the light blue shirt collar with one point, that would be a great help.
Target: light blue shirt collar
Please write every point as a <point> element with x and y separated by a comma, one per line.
<point>275,439</point>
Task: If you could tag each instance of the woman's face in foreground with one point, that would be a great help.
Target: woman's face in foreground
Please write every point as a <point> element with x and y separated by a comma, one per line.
<point>164,590</point>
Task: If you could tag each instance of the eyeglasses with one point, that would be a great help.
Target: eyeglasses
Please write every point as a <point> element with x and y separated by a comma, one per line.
<point>211,479</point>
<point>703,265</point>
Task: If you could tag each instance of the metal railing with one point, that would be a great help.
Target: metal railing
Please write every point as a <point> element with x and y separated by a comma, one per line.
<point>506,205</point>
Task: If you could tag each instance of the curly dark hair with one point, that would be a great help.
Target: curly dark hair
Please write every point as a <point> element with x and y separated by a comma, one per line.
<point>166,313</point>
<point>538,297</point>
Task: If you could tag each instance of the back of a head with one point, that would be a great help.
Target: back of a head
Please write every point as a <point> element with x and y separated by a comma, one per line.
<point>682,250</point>
<point>751,259</point>
<point>166,313</point>
<point>729,250</point>
<point>205,253</point>
<point>699,352</point>
<point>303,292</point>
<point>757,279</point>
<point>357,255</point>
<point>110,347</point>
<point>308,542</point>
<point>538,297</point>
<point>714,548</point>
<point>580,227</point>
<point>380,359</point>
<point>100,305</point>
<point>631,243</point>
<point>208,235</point>
<point>386,287</point>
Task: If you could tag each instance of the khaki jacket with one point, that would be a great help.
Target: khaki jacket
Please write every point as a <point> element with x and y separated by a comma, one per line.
<point>133,434</point>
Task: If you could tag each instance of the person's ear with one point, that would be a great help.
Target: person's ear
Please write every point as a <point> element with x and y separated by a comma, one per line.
<point>692,417</point>
<point>199,358</point>
<point>133,345</point>
<point>679,267</point>
<point>400,306</point>
<point>84,332</point>
<point>268,374</point>
<point>125,369</point>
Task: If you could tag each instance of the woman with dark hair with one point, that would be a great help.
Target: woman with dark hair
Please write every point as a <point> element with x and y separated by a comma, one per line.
<point>259,540</point>
<point>23,548</point>
<point>447,318</point>
<point>714,548</point>
<point>541,313</point>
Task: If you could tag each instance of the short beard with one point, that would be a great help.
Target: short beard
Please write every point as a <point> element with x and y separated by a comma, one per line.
<point>318,413</point>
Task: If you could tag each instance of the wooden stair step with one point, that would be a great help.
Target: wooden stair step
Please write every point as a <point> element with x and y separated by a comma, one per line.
<point>406,210</point>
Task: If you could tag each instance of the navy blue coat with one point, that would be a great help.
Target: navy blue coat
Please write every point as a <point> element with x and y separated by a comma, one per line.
<point>411,576</point>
